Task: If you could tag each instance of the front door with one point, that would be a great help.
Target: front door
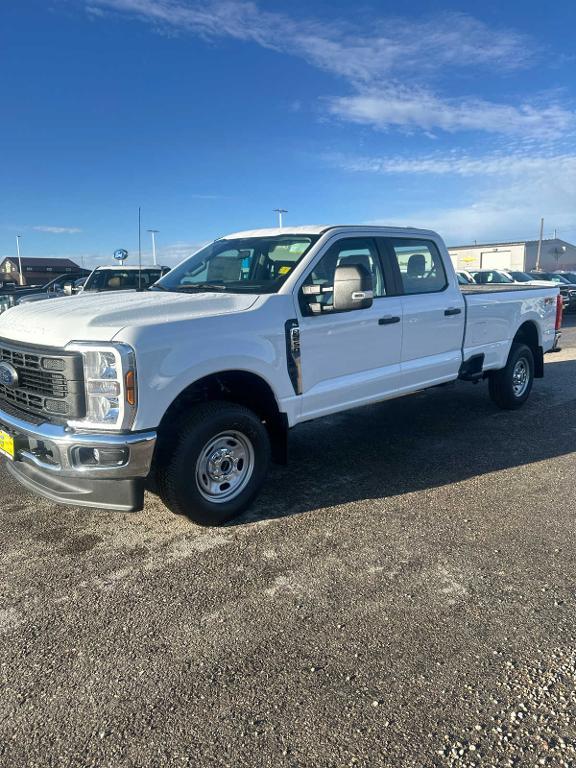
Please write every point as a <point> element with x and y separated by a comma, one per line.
<point>347,358</point>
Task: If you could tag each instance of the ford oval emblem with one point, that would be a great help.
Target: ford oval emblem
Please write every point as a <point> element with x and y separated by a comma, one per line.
<point>8,375</point>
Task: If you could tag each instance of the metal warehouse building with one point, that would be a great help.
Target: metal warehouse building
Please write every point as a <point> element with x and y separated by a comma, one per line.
<point>556,254</point>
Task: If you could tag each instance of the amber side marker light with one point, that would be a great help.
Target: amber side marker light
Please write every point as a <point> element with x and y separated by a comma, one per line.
<point>130,382</point>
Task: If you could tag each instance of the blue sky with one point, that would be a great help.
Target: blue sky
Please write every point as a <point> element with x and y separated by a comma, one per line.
<point>458,117</point>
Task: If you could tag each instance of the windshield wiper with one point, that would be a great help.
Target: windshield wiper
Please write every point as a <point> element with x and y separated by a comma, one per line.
<point>202,287</point>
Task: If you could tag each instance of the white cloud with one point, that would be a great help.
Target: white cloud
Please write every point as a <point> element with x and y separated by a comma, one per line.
<point>377,60</point>
<point>391,44</point>
<point>58,230</point>
<point>514,194</point>
<point>459,164</point>
<point>396,106</point>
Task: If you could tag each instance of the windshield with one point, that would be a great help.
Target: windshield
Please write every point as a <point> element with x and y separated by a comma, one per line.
<point>569,276</point>
<point>121,280</point>
<point>521,277</point>
<point>244,265</point>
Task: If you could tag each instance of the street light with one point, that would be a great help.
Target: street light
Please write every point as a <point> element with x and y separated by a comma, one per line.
<point>153,232</point>
<point>280,211</point>
<point>19,259</point>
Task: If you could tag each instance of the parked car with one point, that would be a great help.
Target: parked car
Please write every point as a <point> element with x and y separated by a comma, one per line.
<point>198,379</point>
<point>119,277</point>
<point>524,277</point>
<point>464,277</point>
<point>55,288</point>
<point>570,276</point>
<point>489,276</point>
<point>567,289</point>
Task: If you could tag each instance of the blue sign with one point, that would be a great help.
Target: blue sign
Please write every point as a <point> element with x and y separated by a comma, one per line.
<point>121,254</point>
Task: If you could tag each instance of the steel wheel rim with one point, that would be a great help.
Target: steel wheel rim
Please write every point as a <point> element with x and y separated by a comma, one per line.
<point>520,377</point>
<point>225,466</point>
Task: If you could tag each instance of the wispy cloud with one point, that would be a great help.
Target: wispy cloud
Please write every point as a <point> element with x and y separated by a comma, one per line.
<point>459,164</point>
<point>396,106</point>
<point>511,195</point>
<point>390,45</point>
<point>378,61</point>
<point>58,230</point>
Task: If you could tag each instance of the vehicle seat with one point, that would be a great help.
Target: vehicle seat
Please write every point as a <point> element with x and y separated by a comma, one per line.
<point>362,260</point>
<point>418,279</point>
<point>114,283</point>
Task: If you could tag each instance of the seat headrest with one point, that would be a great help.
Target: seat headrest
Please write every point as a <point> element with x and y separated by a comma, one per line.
<point>360,259</point>
<point>416,265</point>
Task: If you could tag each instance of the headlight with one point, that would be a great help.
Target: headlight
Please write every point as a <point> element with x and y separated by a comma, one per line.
<point>109,385</point>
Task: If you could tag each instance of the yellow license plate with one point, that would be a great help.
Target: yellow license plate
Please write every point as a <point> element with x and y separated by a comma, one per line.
<point>6,444</point>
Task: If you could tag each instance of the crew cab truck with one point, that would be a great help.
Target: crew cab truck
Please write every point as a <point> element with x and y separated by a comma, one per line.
<point>195,383</point>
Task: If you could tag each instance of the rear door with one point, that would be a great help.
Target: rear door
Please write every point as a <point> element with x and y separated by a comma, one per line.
<point>433,313</point>
<point>347,358</point>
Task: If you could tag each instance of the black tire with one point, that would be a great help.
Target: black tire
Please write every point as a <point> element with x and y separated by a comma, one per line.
<point>186,482</point>
<point>504,389</point>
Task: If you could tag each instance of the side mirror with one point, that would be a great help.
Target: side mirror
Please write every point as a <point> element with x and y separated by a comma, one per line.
<point>353,288</point>
<point>68,289</point>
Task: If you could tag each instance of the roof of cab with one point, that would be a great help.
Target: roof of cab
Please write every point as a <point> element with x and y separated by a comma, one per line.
<point>130,267</point>
<point>319,229</point>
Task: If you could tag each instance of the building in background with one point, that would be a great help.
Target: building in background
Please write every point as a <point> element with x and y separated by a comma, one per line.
<point>37,271</point>
<point>556,254</point>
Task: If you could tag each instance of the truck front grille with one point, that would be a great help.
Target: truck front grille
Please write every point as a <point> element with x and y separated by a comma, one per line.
<point>49,384</point>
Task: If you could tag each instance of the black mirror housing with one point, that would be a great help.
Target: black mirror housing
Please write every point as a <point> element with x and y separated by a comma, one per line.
<point>353,288</point>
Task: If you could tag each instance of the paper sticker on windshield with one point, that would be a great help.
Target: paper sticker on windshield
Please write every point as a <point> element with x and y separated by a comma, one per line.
<point>299,247</point>
<point>284,270</point>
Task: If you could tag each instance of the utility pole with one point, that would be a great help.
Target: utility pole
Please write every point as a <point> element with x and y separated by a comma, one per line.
<point>139,248</point>
<point>19,259</point>
<point>280,211</point>
<point>153,233</point>
<point>539,252</point>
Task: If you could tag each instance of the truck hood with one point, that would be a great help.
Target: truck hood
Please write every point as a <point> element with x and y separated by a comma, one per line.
<point>99,317</point>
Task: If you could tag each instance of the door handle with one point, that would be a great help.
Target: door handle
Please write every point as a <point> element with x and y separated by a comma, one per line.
<point>390,320</point>
<point>453,311</point>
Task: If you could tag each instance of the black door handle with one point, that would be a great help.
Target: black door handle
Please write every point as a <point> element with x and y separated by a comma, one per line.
<point>453,311</point>
<point>390,320</point>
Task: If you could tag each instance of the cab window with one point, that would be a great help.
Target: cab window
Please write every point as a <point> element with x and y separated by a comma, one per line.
<point>420,264</point>
<point>360,252</point>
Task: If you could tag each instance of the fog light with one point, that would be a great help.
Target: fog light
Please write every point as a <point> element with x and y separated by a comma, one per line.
<point>110,456</point>
<point>101,457</point>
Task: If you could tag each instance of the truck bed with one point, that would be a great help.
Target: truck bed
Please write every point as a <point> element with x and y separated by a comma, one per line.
<point>492,310</point>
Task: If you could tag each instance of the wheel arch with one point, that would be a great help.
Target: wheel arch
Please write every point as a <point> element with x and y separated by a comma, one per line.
<point>236,386</point>
<point>528,334</point>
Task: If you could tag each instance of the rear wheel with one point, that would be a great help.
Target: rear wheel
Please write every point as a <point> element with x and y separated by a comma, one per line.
<point>510,387</point>
<point>213,466</point>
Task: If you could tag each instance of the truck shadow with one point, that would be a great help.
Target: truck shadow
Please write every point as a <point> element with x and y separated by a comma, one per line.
<point>428,440</point>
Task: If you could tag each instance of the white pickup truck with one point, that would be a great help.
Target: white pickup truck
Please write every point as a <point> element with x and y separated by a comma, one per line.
<point>195,383</point>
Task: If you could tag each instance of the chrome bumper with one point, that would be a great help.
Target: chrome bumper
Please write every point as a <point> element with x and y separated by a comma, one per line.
<point>57,449</point>
<point>59,463</point>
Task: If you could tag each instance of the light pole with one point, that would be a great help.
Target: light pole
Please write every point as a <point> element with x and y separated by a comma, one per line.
<point>280,211</point>
<point>19,259</point>
<point>154,232</point>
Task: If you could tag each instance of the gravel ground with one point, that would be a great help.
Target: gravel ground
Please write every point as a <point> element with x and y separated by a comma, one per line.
<point>403,595</point>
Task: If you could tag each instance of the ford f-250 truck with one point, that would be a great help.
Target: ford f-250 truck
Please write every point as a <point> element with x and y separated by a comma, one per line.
<point>196,382</point>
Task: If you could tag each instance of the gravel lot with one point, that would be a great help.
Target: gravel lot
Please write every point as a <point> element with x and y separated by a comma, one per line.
<point>403,595</point>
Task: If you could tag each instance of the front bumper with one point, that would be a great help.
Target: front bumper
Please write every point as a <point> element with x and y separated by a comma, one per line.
<point>61,464</point>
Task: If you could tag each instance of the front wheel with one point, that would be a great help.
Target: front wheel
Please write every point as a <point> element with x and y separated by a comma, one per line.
<point>510,387</point>
<point>213,465</point>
